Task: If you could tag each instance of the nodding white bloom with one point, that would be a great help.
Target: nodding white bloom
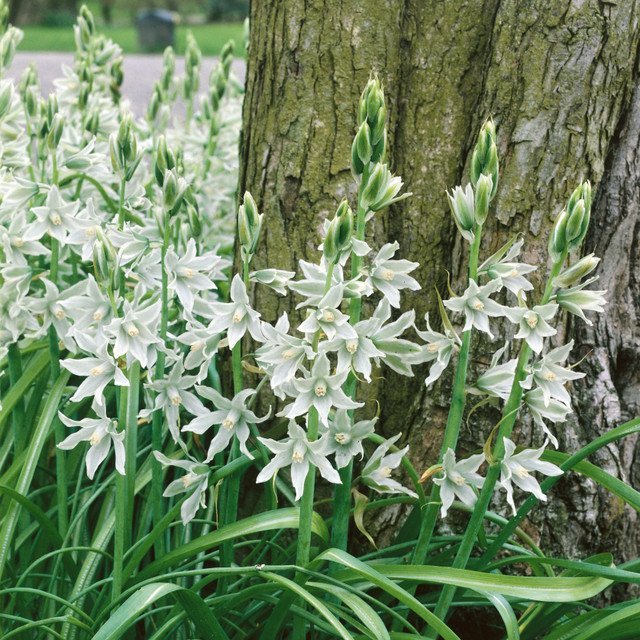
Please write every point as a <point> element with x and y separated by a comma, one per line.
<point>377,471</point>
<point>173,393</point>
<point>313,286</point>
<point>356,352</point>
<point>84,235</point>
<point>55,218</point>
<point>15,315</point>
<point>462,204</point>
<point>203,345</point>
<point>533,324</point>
<point>438,349</point>
<point>17,193</point>
<point>577,300</point>
<point>236,317</point>
<point>399,354</point>
<point>516,468</point>
<point>497,380</point>
<point>13,242</point>
<point>320,390</point>
<point>131,243</point>
<point>100,433</point>
<point>555,411</point>
<point>90,309</point>
<point>382,189</point>
<point>477,306</point>
<point>233,417</point>
<point>391,276</point>
<point>98,371</point>
<point>282,355</point>
<point>328,318</point>
<point>458,480</point>
<point>195,482</point>
<point>501,265</point>
<point>345,437</point>
<point>550,377</point>
<point>276,279</point>
<point>136,332</point>
<point>191,273</point>
<point>297,452</point>
<point>51,311</point>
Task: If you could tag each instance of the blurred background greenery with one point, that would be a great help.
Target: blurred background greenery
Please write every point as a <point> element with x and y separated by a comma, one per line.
<point>46,22</point>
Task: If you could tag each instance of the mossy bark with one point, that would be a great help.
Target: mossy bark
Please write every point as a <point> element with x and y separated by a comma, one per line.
<point>559,78</point>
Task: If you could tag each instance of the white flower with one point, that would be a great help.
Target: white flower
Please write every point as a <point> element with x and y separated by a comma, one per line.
<point>356,352</point>
<point>477,306</point>
<point>195,481</point>
<point>497,380</point>
<point>462,203</point>
<point>391,276</point>
<point>101,433</point>
<point>550,377</point>
<point>190,273</point>
<point>439,348</point>
<point>299,453</point>
<point>136,332</point>
<point>51,311</point>
<point>14,244</point>
<point>577,300</point>
<point>282,355</point>
<point>377,472</point>
<point>233,417</point>
<point>328,318</point>
<point>320,390</point>
<point>458,480</point>
<point>55,218</point>
<point>555,411</point>
<point>90,310</point>
<point>399,354</point>
<point>515,469</point>
<point>276,279</point>
<point>173,393</point>
<point>98,372</point>
<point>203,345</point>
<point>236,317</point>
<point>85,232</point>
<point>501,265</point>
<point>533,324</point>
<point>345,437</point>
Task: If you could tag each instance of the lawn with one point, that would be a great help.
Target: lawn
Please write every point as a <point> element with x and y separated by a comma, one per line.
<point>210,37</point>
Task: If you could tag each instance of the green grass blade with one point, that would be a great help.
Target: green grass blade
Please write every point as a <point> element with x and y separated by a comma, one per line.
<point>38,440</point>
<point>506,613</point>
<point>194,606</point>
<point>268,521</point>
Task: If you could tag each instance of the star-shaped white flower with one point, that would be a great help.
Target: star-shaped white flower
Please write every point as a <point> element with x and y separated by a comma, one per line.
<point>477,306</point>
<point>458,480</point>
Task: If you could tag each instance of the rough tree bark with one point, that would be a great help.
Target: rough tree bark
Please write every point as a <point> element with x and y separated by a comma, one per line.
<point>560,80</point>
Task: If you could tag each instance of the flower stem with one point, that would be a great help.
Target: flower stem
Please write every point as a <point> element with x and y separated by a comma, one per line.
<point>131,446</point>
<point>157,420</point>
<point>454,419</point>
<point>303,549</point>
<point>121,527</point>
<point>510,415</point>
<point>17,414</point>
<point>342,492</point>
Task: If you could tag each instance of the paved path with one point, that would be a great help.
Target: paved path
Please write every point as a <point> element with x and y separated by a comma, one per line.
<point>140,72</point>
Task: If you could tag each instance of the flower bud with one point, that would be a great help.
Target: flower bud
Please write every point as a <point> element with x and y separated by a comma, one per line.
<point>576,272</point>
<point>168,68</point>
<point>114,153</point>
<point>485,156</point>
<point>249,225</point>
<point>164,160</point>
<point>154,103</point>
<point>51,108</point>
<point>462,204</point>
<point>339,232</point>
<point>127,143</point>
<point>484,188</point>
<point>55,132</point>
<point>170,189</point>
<point>93,122</point>
<point>31,101</point>
<point>363,144</point>
<point>193,216</point>
<point>557,240</point>
<point>6,95</point>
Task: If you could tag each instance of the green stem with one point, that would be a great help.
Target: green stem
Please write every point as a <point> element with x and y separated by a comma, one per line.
<point>454,419</point>
<point>342,491</point>
<point>131,447</point>
<point>17,414</point>
<point>121,526</point>
<point>510,415</point>
<point>303,549</point>
<point>157,420</point>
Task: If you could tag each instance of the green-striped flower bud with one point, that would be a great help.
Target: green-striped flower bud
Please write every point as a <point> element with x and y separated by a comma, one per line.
<point>114,153</point>
<point>117,73</point>
<point>193,216</point>
<point>154,103</point>
<point>6,96</point>
<point>168,68</point>
<point>363,144</point>
<point>55,132</point>
<point>8,45</point>
<point>29,78</point>
<point>249,225</point>
<point>87,16</point>
<point>557,240</point>
<point>485,156</point>
<point>170,189</point>
<point>165,160</point>
<point>484,188</point>
<point>83,95</point>
<point>462,204</point>
<point>339,232</point>
<point>92,124</point>
<point>31,101</point>
<point>51,107</point>
<point>127,142</point>
<point>576,272</point>
<point>579,210</point>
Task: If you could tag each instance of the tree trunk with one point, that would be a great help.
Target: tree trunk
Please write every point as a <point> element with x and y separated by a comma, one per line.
<point>559,78</point>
